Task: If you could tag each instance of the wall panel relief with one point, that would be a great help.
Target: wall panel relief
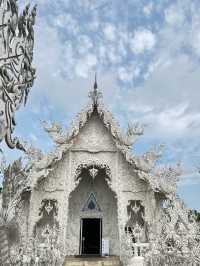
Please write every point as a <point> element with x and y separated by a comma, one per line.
<point>46,230</point>
<point>136,225</point>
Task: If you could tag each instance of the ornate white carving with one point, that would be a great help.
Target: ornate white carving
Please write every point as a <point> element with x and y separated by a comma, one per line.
<point>176,237</point>
<point>132,132</point>
<point>16,71</point>
<point>89,165</point>
<point>93,172</point>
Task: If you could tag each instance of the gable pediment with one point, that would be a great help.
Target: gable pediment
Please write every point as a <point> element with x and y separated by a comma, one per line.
<point>94,136</point>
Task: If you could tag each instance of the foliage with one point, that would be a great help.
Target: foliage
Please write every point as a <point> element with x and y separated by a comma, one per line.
<point>196,215</point>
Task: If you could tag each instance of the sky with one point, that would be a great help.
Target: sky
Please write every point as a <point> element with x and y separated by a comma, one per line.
<point>147,58</point>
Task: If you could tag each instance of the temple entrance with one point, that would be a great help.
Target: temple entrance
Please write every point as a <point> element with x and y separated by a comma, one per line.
<point>91,236</point>
<point>92,214</point>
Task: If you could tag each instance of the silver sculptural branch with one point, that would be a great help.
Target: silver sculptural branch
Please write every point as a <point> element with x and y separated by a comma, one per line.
<point>16,71</point>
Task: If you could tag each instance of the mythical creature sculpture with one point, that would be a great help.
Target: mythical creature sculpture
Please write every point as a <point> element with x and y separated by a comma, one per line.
<point>55,132</point>
<point>16,71</point>
<point>132,132</point>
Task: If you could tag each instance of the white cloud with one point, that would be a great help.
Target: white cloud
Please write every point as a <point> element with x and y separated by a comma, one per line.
<point>94,24</point>
<point>112,55</point>
<point>170,98</point>
<point>147,9</point>
<point>67,22</point>
<point>84,44</point>
<point>85,65</point>
<point>174,15</point>
<point>127,74</point>
<point>124,74</point>
<point>102,51</point>
<point>143,40</point>
<point>173,121</point>
<point>109,31</point>
<point>192,178</point>
<point>195,34</point>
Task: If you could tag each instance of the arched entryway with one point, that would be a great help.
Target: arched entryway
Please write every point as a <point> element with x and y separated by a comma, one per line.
<point>92,213</point>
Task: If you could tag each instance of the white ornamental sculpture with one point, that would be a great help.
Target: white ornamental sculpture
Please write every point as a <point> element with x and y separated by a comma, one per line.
<point>16,71</point>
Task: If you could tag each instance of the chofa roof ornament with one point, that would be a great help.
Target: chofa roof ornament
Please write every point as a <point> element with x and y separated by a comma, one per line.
<point>95,94</point>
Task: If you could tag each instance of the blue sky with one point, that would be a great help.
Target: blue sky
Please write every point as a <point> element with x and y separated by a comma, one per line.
<point>147,56</point>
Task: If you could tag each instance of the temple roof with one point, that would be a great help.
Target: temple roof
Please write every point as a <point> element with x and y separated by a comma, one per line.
<point>143,165</point>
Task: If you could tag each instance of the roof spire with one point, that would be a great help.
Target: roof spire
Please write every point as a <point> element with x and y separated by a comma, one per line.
<point>95,94</point>
<point>95,82</point>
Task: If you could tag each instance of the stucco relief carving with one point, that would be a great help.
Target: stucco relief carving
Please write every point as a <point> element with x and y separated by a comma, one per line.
<point>90,167</point>
<point>136,225</point>
<point>47,228</point>
<point>86,161</point>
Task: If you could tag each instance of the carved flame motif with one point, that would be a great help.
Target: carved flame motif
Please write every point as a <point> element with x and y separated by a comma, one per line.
<point>49,207</point>
<point>93,172</point>
<point>16,71</point>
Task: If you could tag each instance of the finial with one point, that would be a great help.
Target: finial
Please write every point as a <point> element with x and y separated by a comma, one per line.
<point>95,94</point>
<point>95,82</point>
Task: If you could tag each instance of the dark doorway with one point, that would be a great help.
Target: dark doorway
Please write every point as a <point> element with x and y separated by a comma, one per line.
<point>91,236</point>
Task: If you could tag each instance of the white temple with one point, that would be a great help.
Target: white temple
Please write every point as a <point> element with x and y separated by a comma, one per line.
<point>91,197</point>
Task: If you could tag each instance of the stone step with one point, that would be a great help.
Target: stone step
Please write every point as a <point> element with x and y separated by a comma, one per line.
<point>92,261</point>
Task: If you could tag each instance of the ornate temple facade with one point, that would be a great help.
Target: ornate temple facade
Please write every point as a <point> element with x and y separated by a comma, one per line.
<point>91,195</point>
<point>90,191</point>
